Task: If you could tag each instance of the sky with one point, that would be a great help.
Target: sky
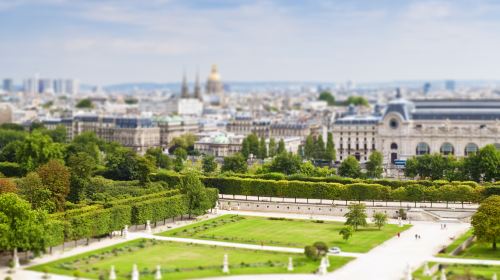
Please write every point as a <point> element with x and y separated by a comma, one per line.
<point>104,42</point>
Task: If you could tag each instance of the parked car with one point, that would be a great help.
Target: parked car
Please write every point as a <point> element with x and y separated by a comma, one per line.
<point>334,250</point>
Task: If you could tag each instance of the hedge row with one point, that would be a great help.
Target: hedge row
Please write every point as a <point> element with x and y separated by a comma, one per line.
<point>451,191</point>
<point>100,220</point>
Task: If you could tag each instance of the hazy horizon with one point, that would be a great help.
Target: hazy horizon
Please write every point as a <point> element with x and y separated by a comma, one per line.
<point>113,42</point>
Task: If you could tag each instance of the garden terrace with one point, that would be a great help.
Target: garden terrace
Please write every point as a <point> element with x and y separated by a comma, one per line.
<point>180,261</point>
<point>284,232</point>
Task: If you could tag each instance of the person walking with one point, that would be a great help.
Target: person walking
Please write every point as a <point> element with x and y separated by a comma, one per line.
<point>398,234</point>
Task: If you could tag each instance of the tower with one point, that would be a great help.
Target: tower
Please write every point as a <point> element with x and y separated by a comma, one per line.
<point>184,88</point>
<point>197,88</point>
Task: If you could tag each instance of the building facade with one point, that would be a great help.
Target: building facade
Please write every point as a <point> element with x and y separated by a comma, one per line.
<point>407,128</point>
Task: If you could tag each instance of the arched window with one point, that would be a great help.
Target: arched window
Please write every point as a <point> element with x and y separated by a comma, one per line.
<point>394,146</point>
<point>447,149</point>
<point>423,149</point>
<point>471,148</point>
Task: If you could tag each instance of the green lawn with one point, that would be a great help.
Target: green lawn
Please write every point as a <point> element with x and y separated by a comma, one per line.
<point>459,271</point>
<point>284,232</point>
<point>180,261</point>
<point>478,250</point>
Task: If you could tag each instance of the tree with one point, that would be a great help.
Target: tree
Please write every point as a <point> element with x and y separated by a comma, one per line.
<point>415,193</point>
<point>321,247</point>
<point>272,147</point>
<point>281,147</point>
<point>20,227</point>
<point>58,134</point>
<point>253,144</point>
<point>357,101</point>
<point>56,177</point>
<point>245,148</point>
<point>209,164</point>
<point>85,104</point>
<point>350,168</point>
<point>309,147</point>
<point>141,169</point>
<point>180,157</point>
<point>36,150</point>
<point>380,219</point>
<point>486,221</point>
<point>346,232</point>
<point>286,163</point>
<point>356,216</point>
<point>161,160</point>
<point>195,193</point>
<point>374,165</point>
<point>464,193</point>
<point>89,143</point>
<point>489,159</point>
<point>319,148</point>
<point>330,153</point>
<point>262,148</point>
<point>32,189</point>
<point>185,141</point>
<point>235,163</point>
<point>328,97</point>
<point>311,252</point>
<point>7,186</point>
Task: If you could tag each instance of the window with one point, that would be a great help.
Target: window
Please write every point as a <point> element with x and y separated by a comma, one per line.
<point>422,149</point>
<point>471,148</point>
<point>394,146</point>
<point>447,149</point>
<point>393,123</point>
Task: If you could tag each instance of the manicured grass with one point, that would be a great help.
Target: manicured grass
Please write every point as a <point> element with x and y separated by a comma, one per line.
<point>180,261</point>
<point>478,250</point>
<point>459,271</point>
<point>284,232</point>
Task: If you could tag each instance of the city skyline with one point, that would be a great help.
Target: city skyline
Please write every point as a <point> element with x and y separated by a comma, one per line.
<point>108,42</point>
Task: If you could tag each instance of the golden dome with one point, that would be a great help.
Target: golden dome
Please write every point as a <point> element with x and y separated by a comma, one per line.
<point>214,74</point>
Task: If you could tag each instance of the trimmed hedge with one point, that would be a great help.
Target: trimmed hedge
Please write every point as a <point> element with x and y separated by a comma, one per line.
<point>99,220</point>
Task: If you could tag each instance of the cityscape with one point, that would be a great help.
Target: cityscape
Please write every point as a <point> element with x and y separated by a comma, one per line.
<point>249,140</point>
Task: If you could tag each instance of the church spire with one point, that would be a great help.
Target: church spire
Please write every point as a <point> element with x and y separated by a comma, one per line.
<point>184,88</point>
<point>197,88</point>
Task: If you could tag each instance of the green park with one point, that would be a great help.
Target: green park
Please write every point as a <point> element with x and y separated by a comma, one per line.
<point>285,232</point>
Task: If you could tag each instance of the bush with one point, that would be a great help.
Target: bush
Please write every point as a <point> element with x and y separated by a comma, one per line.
<point>311,252</point>
<point>11,169</point>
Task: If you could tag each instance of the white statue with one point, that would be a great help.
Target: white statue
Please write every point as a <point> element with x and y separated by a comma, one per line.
<point>125,232</point>
<point>135,272</point>
<point>225,265</point>
<point>290,264</point>
<point>322,270</point>
<point>148,227</point>
<point>112,273</point>
<point>158,273</point>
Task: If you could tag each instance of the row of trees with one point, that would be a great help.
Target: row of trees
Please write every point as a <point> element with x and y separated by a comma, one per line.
<point>252,145</point>
<point>315,148</point>
<point>481,166</point>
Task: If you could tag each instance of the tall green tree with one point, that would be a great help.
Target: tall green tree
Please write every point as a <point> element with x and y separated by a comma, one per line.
<point>486,221</point>
<point>161,160</point>
<point>330,153</point>
<point>281,147</point>
<point>309,147</point>
<point>272,147</point>
<point>36,150</point>
<point>349,168</point>
<point>20,226</point>
<point>253,144</point>
<point>235,163</point>
<point>489,159</point>
<point>286,163</point>
<point>346,232</point>
<point>195,193</point>
<point>374,165</point>
<point>82,167</point>
<point>356,216</point>
<point>180,158</point>
<point>209,165</point>
<point>319,148</point>
<point>262,148</point>
<point>245,148</point>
